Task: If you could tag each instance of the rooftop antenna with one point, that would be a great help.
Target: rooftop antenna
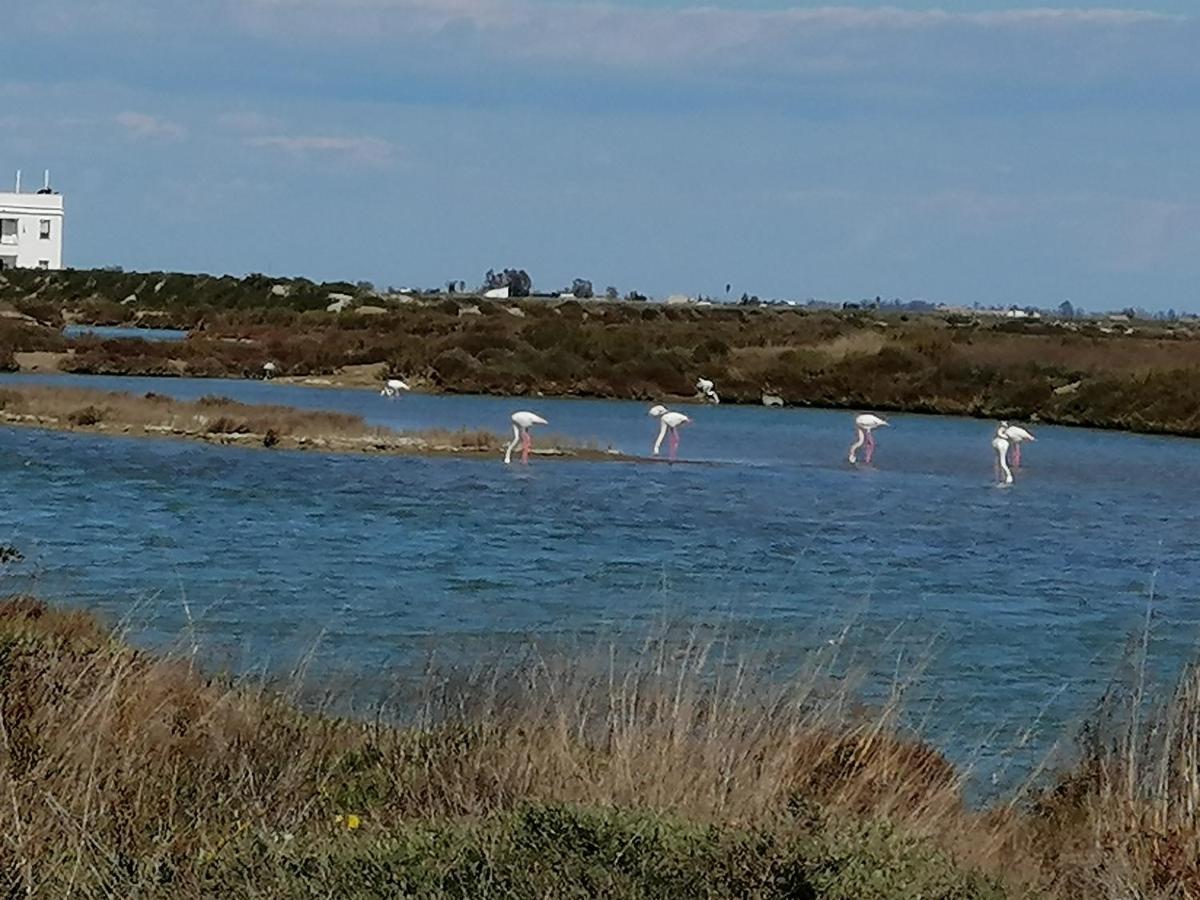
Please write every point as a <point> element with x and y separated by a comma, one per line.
<point>17,190</point>
<point>46,181</point>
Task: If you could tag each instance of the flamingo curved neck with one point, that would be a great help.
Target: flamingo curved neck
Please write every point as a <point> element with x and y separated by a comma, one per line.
<point>662,433</point>
<point>513,445</point>
<point>860,434</point>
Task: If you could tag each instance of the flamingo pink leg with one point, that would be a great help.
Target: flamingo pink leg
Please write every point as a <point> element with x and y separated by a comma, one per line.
<point>870,448</point>
<point>526,444</point>
<point>674,443</point>
<point>1016,460</point>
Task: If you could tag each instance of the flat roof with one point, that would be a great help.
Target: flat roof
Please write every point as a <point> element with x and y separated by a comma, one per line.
<point>31,200</point>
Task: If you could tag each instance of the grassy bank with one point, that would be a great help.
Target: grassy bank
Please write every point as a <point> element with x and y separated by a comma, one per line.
<point>1141,376</point>
<point>128,774</point>
<point>219,420</point>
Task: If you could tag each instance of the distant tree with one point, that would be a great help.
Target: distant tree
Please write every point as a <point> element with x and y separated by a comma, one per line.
<point>582,288</point>
<point>1066,310</point>
<point>365,287</point>
<point>1171,316</point>
<point>635,297</point>
<point>452,286</point>
<point>517,281</point>
<point>610,293</point>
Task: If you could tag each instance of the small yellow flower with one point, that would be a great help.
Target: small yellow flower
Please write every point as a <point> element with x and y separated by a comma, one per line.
<point>350,820</point>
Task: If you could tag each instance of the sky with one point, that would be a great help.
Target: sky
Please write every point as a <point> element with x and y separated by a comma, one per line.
<point>984,151</point>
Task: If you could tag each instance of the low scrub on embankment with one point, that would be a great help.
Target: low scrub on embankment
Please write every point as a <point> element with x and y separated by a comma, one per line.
<point>223,421</point>
<point>130,774</point>
<point>1137,375</point>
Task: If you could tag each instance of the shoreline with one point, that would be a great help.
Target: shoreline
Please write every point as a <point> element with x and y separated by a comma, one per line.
<point>354,381</point>
<point>227,423</point>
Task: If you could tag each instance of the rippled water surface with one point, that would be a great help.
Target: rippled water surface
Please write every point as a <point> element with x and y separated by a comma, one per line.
<point>1021,599</point>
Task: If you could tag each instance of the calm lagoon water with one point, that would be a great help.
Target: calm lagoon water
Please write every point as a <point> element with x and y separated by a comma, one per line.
<point>118,331</point>
<point>1021,600</point>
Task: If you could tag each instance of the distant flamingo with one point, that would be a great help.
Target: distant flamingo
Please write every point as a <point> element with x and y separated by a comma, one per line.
<point>392,387</point>
<point>1000,444</point>
<point>669,422</point>
<point>1016,435</point>
<point>522,422</point>
<point>863,426</point>
<point>269,370</point>
<point>708,390</point>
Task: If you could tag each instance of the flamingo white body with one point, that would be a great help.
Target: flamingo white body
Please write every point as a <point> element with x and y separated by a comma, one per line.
<point>708,390</point>
<point>863,426</point>
<point>1016,436</point>
<point>1003,473</point>
<point>392,387</point>
<point>669,423</point>
<point>269,369</point>
<point>522,422</point>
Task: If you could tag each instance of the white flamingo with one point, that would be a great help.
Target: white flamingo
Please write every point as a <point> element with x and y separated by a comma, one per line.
<point>1016,436</point>
<point>1000,444</point>
<point>669,422</point>
<point>708,390</point>
<point>392,387</point>
<point>269,370</point>
<point>522,422</point>
<point>863,426</point>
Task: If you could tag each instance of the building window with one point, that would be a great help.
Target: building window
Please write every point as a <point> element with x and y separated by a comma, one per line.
<point>8,231</point>
<point>44,229</point>
<point>43,263</point>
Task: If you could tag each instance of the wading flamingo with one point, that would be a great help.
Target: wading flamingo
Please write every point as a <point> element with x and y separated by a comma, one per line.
<point>668,422</point>
<point>1000,444</point>
<point>522,422</point>
<point>863,426</point>
<point>392,387</point>
<point>707,390</point>
<point>1015,435</point>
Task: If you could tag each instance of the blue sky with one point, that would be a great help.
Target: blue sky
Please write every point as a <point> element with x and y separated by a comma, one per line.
<point>994,152</point>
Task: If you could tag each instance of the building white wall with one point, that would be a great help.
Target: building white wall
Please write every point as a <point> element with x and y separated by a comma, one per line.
<point>23,244</point>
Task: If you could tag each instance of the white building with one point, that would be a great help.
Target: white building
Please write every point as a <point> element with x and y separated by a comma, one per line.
<point>31,228</point>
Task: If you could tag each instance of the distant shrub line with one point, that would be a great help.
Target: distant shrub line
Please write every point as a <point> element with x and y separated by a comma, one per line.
<point>1065,372</point>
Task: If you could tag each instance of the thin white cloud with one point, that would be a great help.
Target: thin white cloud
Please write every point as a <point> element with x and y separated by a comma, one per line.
<point>147,127</point>
<point>248,122</point>
<point>609,33</point>
<point>362,151</point>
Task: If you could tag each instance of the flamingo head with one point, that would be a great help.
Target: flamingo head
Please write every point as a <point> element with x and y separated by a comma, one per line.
<point>658,410</point>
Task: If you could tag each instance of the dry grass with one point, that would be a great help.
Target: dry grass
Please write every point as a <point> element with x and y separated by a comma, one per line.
<point>123,773</point>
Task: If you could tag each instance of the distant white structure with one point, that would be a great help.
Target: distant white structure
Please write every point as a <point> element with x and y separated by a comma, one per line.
<point>31,227</point>
<point>500,293</point>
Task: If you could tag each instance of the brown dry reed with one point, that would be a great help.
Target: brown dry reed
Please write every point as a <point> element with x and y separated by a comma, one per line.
<point>129,774</point>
